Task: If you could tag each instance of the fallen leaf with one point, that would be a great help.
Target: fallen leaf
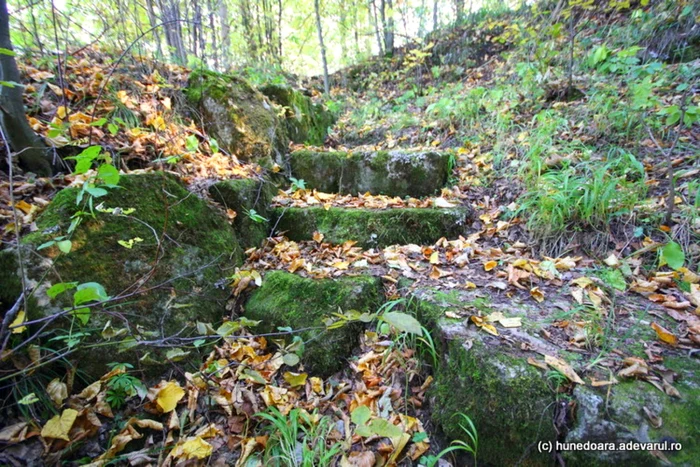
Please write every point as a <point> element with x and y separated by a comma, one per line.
<point>664,335</point>
<point>59,426</point>
<point>563,367</point>
<point>169,396</point>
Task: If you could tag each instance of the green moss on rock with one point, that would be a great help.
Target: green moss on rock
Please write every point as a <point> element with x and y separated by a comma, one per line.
<point>242,195</point>
<point>507,399</point>
<point>186,248</point>
<point>238,116</point>
<point>616,415</point>
<point>393,173</point>
<point>9,278</point>
<point>306,122</point>
<point>373,227</point>
<point>286,299</point>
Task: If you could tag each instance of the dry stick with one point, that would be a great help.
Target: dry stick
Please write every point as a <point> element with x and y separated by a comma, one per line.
<point>10,315</point>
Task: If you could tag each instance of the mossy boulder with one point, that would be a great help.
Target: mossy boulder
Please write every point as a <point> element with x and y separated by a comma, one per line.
<point>288,300</point>
<point>241,119</point>
<point>392,173</point>
<point>306,121</point>
<point>508,400</point>
<point>244,195</point>
<point>617,414</point>
<point>372,227</point>
<point>174,250</point>
<point>10,280</point>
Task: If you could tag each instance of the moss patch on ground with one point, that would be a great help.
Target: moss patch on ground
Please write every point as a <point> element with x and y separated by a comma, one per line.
<point>306,122</point>
<point>288,300</point>
<point>373,228</point>
<point>244,195</point>
<point>393,173</point>
<point>238,116</point>
<point>186,248</point>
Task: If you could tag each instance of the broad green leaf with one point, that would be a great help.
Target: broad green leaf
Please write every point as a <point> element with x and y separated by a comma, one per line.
<point>295,379</point>
<point>384,428</point>
<point>65,246</point>
<point>176,354</point>
<point>83,314</point>
<point>672,255</point>
<point>228,328</point>
<point>361,415</point>
<point>291,359</point>
<point>214,145</point>
<point>89,292</point>
<point>4,51</point>
<point>403,322</point>
<point>109,174</point>
<point>59,288</point>
<point>191,143</point>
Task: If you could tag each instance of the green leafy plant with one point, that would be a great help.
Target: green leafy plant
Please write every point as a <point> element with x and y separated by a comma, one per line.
<point>123,386</point>
<point>298,439</point>
<point>254,216</point>
<point>297,184</point>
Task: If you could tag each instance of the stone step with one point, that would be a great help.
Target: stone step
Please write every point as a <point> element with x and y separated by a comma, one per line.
<point>372,228</point>
<point>392,173</point>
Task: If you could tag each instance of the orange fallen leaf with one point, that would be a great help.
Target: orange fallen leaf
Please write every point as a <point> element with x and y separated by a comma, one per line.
<point>664,335</point>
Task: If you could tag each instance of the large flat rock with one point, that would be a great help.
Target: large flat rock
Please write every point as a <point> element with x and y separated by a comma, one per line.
<point>372,228</point>
<point>392,173</point>
<point>288,300</point>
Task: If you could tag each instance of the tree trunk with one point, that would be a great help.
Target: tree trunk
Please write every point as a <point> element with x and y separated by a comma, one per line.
<point>225,34</point>
<point>435,15</point>
<point>387,12</point>
<point>32,152</point>
<point>459,9</point>
<point>317,7</point>
<point>375,23</point>
<point>279,29</point>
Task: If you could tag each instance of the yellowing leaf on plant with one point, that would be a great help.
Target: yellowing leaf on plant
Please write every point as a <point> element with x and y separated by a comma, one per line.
<point>664,335</point>
<point>59,426</point>
<point>16,324</point>
<point>169,395</point>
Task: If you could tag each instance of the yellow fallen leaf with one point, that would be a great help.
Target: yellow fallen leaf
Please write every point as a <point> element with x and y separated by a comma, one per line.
<point>563,367</point>
<point>481,323</point>
<point>19,319</point>
<point>169,396</point>
<point>612,260</point>
<point>295,379</point>
<point>489,265</point>
<point>318,237</point>
<point>61,112</point>
<point>537,294</point>
<point>193,448</point>
<point>664,335</point>
<point>435,258</point>
<point>341,265</point>
<point>59,426</point>
<point>469,285</point>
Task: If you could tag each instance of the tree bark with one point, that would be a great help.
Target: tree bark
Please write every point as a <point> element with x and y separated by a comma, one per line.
<point>317,7</point>
<point>435,15</point>
<point>387,12</point>
<point>32,152</point>
<point>375,23</point>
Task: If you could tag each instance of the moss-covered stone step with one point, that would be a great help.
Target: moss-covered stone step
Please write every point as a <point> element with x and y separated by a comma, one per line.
<point>512,403</point>
<point>306,122</point>
<point>243,195</point>
<point>288,300</point>
<point>373,228</point>
<point>393,173</point>
<point>174,249</point>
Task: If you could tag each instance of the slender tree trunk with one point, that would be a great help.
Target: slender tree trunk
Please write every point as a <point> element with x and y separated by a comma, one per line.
<point>248,30</point>
<point>317,7</point>
<point>225,34</point>
<point>387,12</point>
<point>343,32</point>
<point>459,10</point>
<point>375,24</point>
<point>212,26</point>
<point>33,153</point>
<point>153,21</point>
<point>356,29</point>
<point>435,15</point>
<point>421,19</point>
<point>279,29</point>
